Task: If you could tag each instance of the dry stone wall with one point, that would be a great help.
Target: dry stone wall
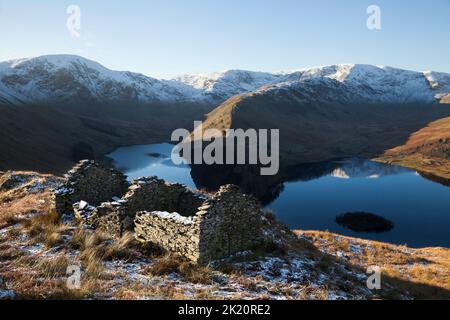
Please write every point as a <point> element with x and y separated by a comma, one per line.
<point>228,223</point>
<point>146,194</point>
<point>170,231</point>
<point>90,182</point>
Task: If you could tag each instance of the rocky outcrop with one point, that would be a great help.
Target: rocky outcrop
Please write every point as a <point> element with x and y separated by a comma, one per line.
<point>90,182</point>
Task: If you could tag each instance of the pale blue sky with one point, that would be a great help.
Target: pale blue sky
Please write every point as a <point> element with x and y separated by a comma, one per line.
<point>164,38</point>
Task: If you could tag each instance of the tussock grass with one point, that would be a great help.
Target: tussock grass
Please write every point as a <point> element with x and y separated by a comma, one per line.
<point>423,273</point>
<point>165,290</point>
<point>189,271</point>
<point>9,253</point>
<point>53,267</point>
<point>15,211</point>
<point>45,228</point>
<point>104,247</point>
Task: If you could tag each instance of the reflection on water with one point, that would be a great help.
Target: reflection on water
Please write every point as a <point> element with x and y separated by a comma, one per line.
<point>151,160</point>
<point>310,196</point>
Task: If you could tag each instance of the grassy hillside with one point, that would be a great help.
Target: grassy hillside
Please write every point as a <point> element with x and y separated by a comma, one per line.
<point>446,99</point>
<point>427,150</point>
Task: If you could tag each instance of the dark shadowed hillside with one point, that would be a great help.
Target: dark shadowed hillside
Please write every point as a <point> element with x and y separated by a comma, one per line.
<point>325,127</point>
<point>51,138</point>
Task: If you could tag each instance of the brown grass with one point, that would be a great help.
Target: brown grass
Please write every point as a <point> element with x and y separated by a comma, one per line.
<point>427,150</point>
<point>14,211</point>
<point>424,273</point>
<point>45,228</point>
<point>95,247</point>
<point>54,267</point>
<point>189,271</point>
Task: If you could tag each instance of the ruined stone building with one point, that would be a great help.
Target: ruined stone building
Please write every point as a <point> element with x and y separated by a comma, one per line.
<point>89,182</point>
<point>199,227</point>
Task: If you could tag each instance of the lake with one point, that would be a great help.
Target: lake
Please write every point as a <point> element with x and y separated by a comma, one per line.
<point>310,197</point>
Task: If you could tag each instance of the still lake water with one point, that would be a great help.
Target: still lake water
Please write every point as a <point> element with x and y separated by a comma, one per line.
<point>419,208</point>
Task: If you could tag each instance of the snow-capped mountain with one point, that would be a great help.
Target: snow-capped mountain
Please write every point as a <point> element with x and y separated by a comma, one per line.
<point>66,78</point>
<point>364,83</point>
<point>223,85</point>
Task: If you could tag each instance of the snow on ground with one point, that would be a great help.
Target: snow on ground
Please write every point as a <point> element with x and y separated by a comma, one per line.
<point>271,277</point>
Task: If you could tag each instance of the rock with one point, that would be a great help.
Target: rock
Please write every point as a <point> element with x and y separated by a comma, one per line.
<point>145,194</point>
<point>82,205</point>
<point>83,212</point>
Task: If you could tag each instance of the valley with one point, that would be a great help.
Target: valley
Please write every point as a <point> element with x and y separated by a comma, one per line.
<point>57,110</point>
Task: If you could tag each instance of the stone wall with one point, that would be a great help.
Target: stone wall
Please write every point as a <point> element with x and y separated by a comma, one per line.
<point>145,194</point>
<point>89,182</point>
<point>228,223</point>
<point>169,231</point>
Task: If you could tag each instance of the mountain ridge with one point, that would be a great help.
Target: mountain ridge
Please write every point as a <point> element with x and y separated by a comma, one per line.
<point>72,104</point>
<point>58,77</point>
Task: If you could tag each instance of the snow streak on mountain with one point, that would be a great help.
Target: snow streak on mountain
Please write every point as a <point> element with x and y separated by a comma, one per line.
<point>65,78</point>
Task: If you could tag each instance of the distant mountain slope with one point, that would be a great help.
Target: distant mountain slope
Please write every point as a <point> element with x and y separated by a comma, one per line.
<point>427,150</point>
<point>337,112</point>
<point>220,86</point>
<point>382,84</point>
<point>67,78</point>
<point>51,138</point>
<point>62,78</point>
<point>73,79</point>
<point>63,102</point>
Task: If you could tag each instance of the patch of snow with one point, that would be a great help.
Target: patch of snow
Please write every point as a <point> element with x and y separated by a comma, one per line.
<point>174,216</point>
<point>357,168</point>
<point>35,249</point>
<point>63,191</point>
<point>82,205</point>
<point>355,248</point>
<point>7,294</point>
